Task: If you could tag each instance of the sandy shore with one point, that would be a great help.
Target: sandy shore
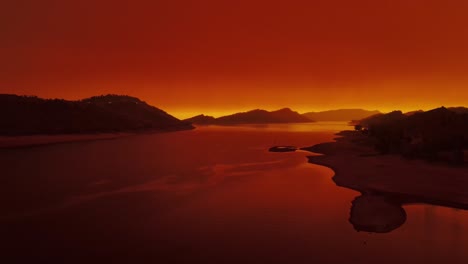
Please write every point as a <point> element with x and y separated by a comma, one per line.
<point>357,167</point>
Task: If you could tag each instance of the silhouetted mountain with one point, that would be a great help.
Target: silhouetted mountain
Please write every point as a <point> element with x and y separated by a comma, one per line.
<point>340,115</point>
<point>391,117</point>
<point>27,115</point>
<point>284,115</point>
<point>460,110</point>
<point>257,116</point>
<point>413,112</point>
<point>438,134</point>
<point>201,120</point>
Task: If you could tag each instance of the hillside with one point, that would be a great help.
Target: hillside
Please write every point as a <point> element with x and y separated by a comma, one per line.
<point>201,120</point>
<point>340,115</point>
<point>257,116</point>
<point>27,115</point>
<point>438,134</point>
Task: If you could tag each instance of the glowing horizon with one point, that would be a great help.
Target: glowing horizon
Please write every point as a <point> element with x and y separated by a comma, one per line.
<point>213,57</point>
<point>186,114</point>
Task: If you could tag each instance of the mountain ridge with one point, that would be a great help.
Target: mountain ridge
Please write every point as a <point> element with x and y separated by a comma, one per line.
<point>349,114</point>
<point>256,116</point>
<point>439,134</point>
<point>31,115</point>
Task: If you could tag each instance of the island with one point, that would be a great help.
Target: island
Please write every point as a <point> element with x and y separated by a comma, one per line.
<point>283,149</point>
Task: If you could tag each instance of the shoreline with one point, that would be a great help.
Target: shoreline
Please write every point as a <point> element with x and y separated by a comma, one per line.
<point>17,142</point>
<point>30,141</point>
<point>404,181</point>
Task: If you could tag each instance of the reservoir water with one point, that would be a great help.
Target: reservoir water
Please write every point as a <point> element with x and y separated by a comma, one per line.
<point>209,195</point>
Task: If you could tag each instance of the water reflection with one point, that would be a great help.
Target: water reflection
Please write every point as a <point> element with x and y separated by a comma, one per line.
<point>376,213</point>
<point>299,127</point>
<point>210,195</point>
<point>379,212</point>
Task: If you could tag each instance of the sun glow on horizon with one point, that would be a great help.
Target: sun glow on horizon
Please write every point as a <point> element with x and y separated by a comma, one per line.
<point>221,57</point>
<point>184,114</point>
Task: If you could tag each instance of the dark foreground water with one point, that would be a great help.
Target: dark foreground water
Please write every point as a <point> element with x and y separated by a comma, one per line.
<point>211,195</point>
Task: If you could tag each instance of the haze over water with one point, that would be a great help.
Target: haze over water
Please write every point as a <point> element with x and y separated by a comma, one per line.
<point>210,195</point>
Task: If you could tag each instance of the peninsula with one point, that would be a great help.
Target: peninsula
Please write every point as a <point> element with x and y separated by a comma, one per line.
<point>30,121</point>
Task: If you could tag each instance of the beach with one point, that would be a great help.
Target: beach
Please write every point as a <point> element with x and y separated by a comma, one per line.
<point>358,167</point>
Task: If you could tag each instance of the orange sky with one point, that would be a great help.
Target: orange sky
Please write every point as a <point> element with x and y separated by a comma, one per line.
<point>216,57</point>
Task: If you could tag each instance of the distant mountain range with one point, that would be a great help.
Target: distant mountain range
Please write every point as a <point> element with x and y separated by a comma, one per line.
<point>201,120</point>
<point>284,115</point>
<point>29,115</point>
<point>257,116</point>
<point>459,110</point>
<point>340,115</point>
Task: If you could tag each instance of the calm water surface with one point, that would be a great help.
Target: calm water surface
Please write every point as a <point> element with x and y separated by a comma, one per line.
<point>211,195</point>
